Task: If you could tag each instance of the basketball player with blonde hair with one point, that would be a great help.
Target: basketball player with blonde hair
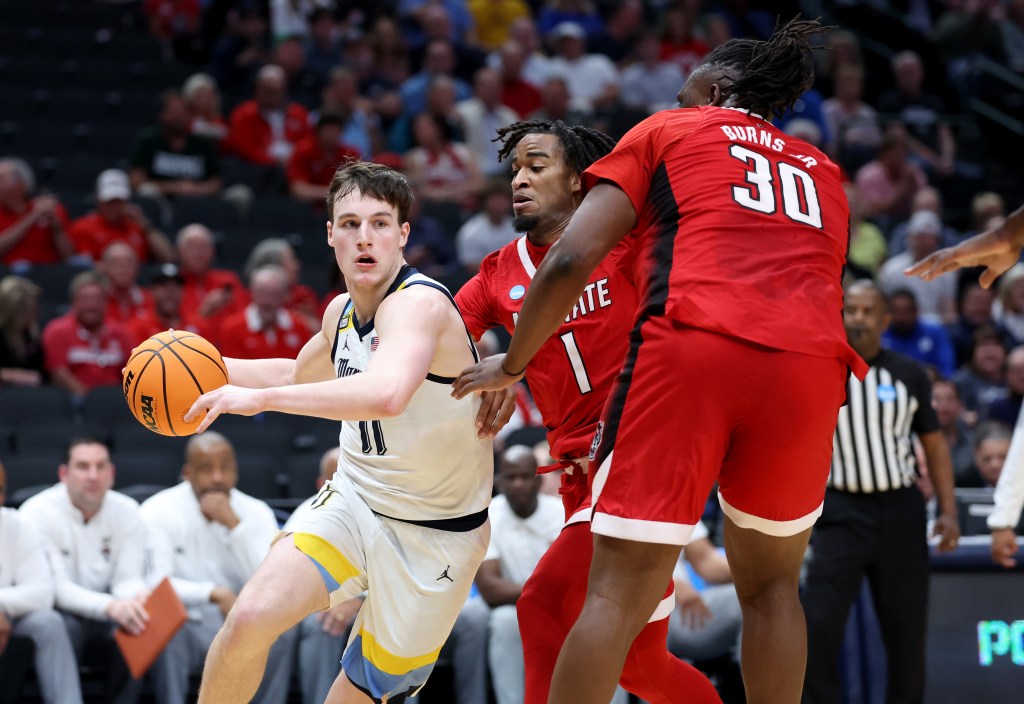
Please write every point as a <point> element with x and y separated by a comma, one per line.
<point>405,516</point>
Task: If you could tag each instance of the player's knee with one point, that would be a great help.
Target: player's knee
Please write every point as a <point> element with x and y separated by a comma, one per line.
<point>768,590</point>
<point>251,622</point>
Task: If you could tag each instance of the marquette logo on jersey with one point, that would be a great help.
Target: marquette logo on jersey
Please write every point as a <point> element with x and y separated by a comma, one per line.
<point>345,370</point>
<point>886,393</point>
<point>149,414</point>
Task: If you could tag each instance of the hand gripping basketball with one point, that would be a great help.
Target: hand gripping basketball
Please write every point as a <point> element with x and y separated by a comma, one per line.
<point>165,375</point>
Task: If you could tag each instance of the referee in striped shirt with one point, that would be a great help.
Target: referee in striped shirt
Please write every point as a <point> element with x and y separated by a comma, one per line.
<point>874,522</point>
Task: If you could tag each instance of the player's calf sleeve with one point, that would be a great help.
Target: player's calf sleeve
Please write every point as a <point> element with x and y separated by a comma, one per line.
<point>551,602</point>
<point>655,675</point>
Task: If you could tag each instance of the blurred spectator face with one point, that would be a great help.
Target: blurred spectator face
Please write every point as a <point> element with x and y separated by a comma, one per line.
<point>496,205</point>
<point>555,97</point>
<point>512,59</point>
<point>389,104</point>
<point>648,50</point>
<point>928,199</point>
<point>628,16</point>
<point>120,265</point>
<point>321,28</point>
<point>524,31</point>
<point>894,157</point>
<point>441,96</point>
<point>89,306</point>
<point>921,244</point>
<point>439,57</point>
<point>436,23</point>
<point>166,298</point>
<point>719,31</point>
<point>269,289</point>
<point>195,249</point>
<point>517,479</point>
<point>986,206</point>
<point>903,314</point>
<point>341,92</point>
<point>204,101</point>
<point>289,55</point>
<point>174,117</point>
<point>1014,298</point>
<point>271,90</point>
<point>678,26</point>
<point>976,306</point>
<point>12,189</point>
<point>426,132</point>
<point>252,26</point>
<point>990,456</point>
<point>909,72</point>
<point>570,48</point>
<point>946,403</point>
<point>487,84</point>
<point>988,358</point>
<point>849,84</point>
<point>88,475</point>
<point>210,465</point>
<point>844,49</point>
<point>1015,371</point>
<point>114,211</point>
<point>328,136</point>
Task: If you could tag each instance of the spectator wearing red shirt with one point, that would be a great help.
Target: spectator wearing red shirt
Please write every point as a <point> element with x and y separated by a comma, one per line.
<point>32,230</point>
<point>116,219</point>
<point>265,328</point>
<point>126,300</point>
<point>165,288</point>
<point>210,294</point>
<point>83,349</point>
<point>316,158</point>
<point>266,129</point>
<point>516,93</point>
<point>301,298</point>
<point>678,44</point>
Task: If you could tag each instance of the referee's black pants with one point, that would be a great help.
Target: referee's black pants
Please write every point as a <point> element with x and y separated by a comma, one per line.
<point>880,536</point>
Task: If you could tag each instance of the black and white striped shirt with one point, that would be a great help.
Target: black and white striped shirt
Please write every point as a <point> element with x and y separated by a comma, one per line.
<point>872,449</point>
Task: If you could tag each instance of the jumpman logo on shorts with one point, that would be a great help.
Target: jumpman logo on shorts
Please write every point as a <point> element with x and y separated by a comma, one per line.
<point>444,575</point>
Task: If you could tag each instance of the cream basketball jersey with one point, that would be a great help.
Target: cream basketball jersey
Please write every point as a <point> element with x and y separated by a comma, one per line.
<point>426,464</point>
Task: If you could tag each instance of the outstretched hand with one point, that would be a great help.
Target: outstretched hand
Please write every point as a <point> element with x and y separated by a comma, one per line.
<point>486,375</point>
<point>225,399</point>
<point>991,250</point>
<point>496,408</point>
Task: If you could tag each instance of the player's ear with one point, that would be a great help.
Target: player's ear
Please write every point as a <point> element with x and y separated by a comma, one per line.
<point>714,94</point>
<point>403,235</point>
<point>330,233</point>
<point>576,184</point>
<point>62,472</point>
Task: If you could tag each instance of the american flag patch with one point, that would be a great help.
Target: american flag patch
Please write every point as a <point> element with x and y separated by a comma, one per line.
<point>374,343</point>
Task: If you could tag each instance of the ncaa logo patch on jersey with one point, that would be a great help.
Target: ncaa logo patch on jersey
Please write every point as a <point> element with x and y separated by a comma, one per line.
<point>517,292</point>
<point>886,393</point>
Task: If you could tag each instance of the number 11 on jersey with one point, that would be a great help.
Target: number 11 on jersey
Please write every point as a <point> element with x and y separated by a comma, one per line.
<point>576,361</point>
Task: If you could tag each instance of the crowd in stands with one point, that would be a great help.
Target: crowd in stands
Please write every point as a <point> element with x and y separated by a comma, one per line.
<point>208,216</point>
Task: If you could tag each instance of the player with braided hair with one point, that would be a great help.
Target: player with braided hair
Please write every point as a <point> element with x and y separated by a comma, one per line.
<point>736,366</point>
<point>571,377</point>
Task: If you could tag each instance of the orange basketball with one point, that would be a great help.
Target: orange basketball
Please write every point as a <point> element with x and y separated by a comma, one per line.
<point>164,377</point>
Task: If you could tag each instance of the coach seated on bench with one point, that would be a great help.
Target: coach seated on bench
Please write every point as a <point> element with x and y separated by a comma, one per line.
<point>26,611</point>
<point>208,537</point>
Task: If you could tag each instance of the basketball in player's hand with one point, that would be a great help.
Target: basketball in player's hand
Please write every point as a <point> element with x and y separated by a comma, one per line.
<point>164,377</point>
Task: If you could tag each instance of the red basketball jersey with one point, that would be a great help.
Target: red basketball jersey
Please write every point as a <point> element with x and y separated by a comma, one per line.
<point>742,229</point>
<point>572,374</point>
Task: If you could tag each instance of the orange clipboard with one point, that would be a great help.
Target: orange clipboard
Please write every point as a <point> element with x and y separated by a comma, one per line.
<point>166,617</point>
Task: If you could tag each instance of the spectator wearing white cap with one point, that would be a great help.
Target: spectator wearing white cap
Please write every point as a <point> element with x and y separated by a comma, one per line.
<point>936,299</point>
<point>117,219</point>
<point>592,78</point>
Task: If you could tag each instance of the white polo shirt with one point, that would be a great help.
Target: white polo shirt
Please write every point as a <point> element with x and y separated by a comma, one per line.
<point>94,562</point>
<point>519,543</point>
<point>199,554</point>
<point>26,582</point>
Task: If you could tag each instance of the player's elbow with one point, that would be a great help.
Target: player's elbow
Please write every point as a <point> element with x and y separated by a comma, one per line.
<point>391,401</point>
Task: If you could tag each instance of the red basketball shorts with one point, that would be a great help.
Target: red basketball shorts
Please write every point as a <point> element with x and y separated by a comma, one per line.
<point>692,407</point>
